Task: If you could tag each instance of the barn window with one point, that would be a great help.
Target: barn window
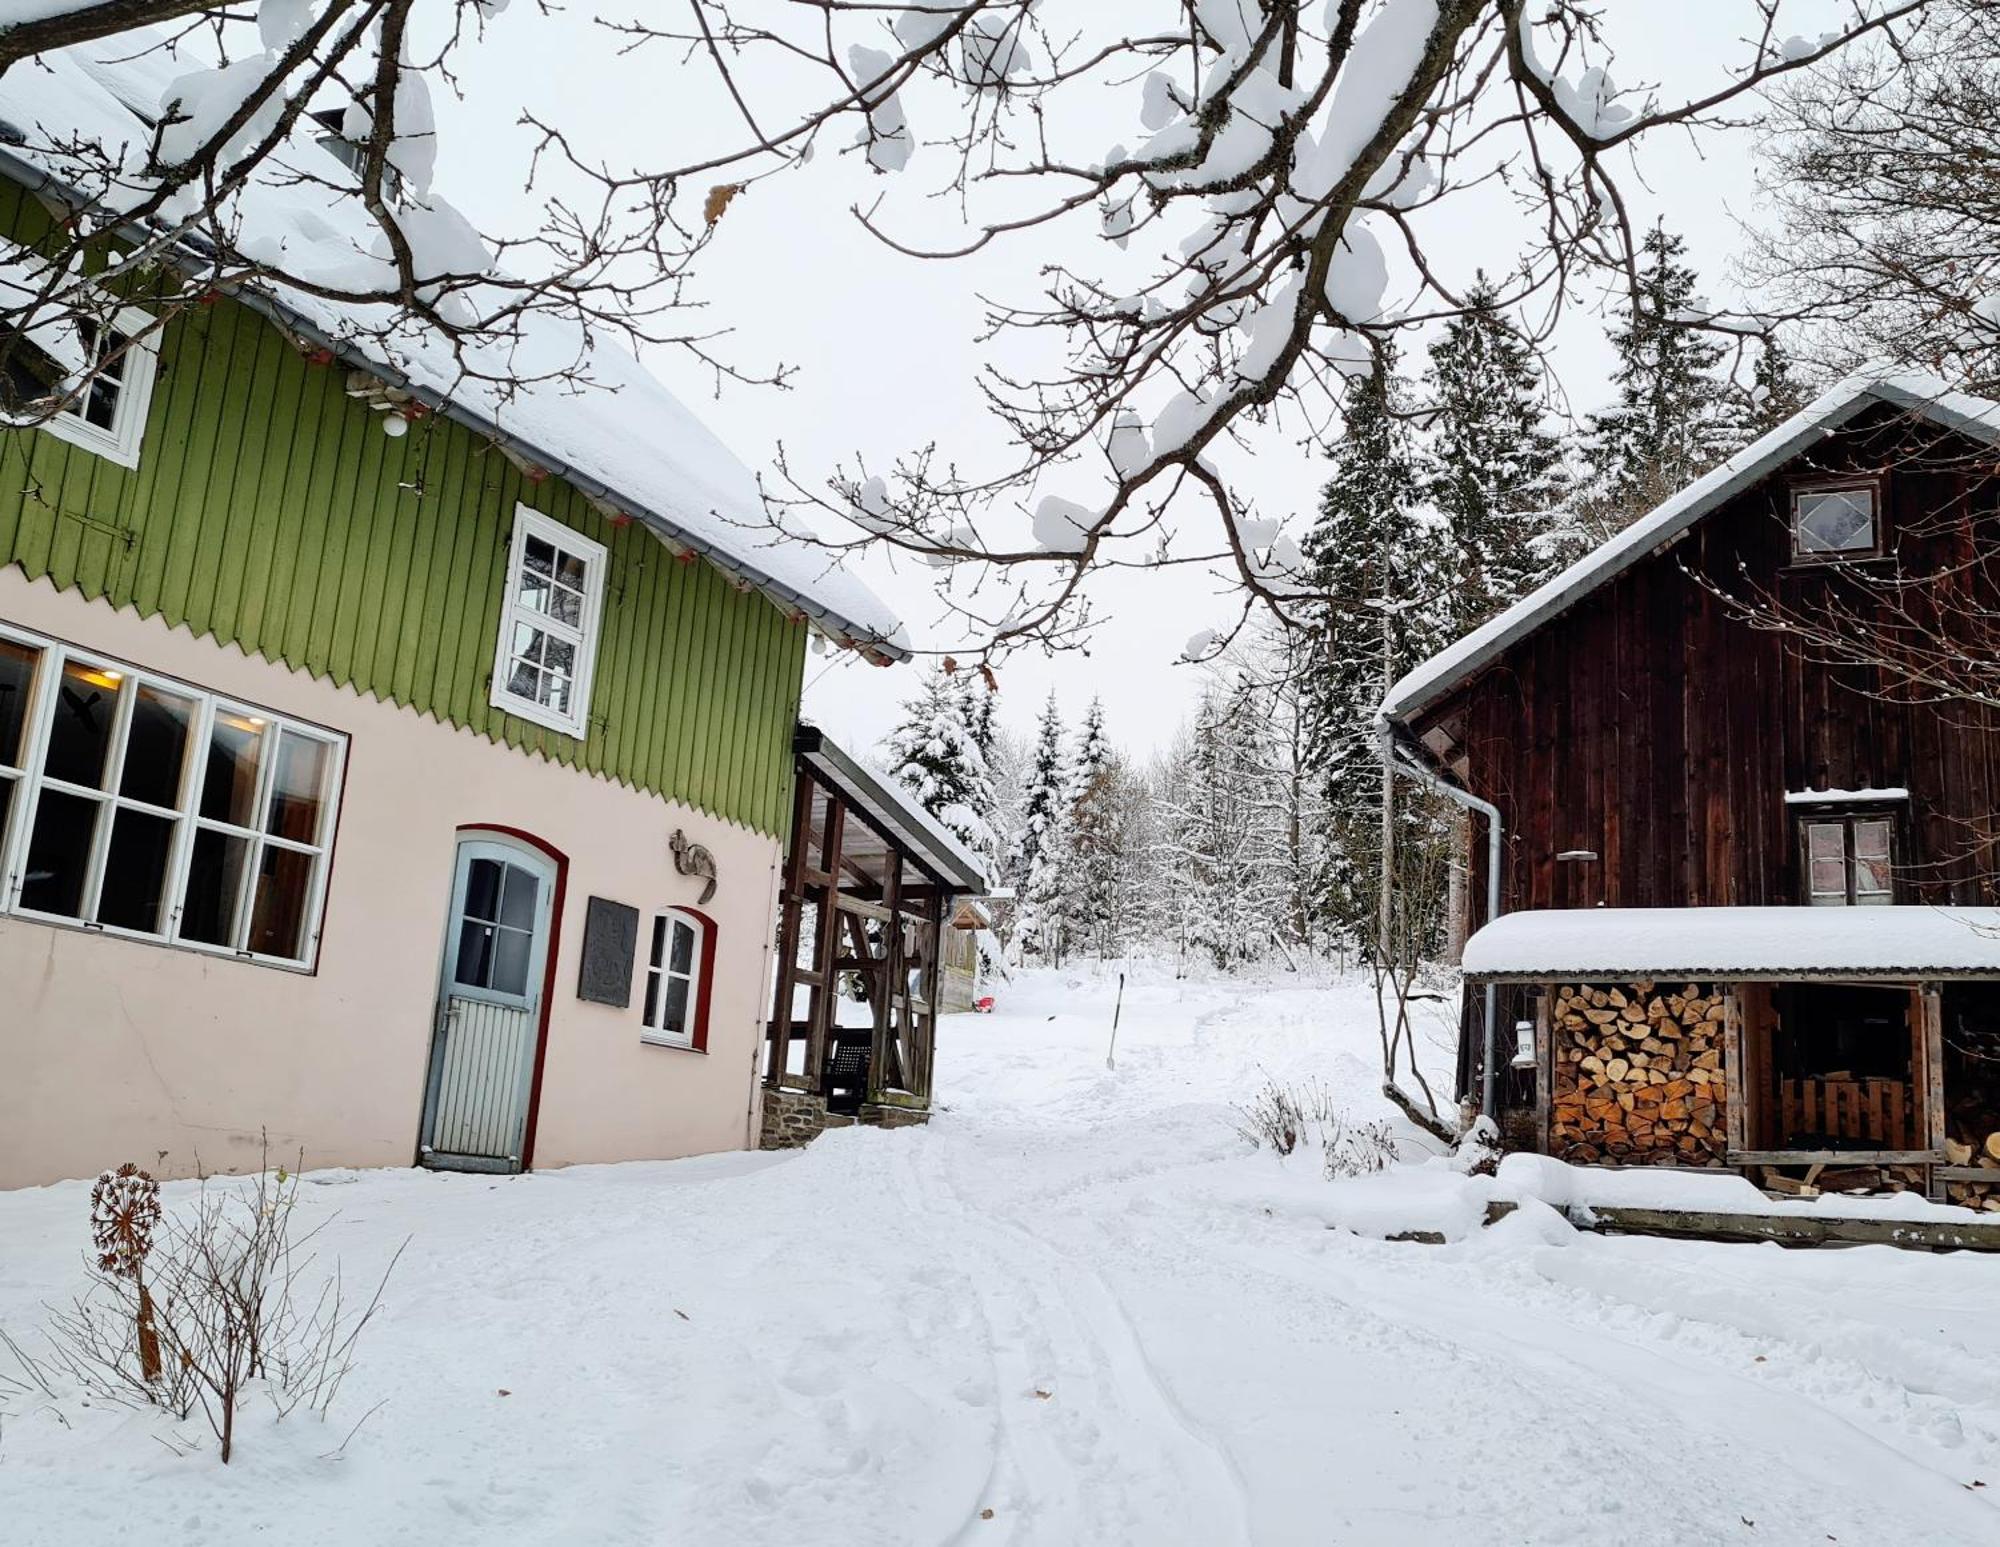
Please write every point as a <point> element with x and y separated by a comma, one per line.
<point>1848,860</point>
<point>1835,522</point>
<point>675,972</point>
<point>547,649</point>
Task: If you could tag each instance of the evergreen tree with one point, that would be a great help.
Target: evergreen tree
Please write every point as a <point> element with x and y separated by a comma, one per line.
<point>1489,467</point>
<point>1775,391</point>
<point>1381,565</point>
<point>1042,843</point>
<point>979,715</point>
<point>1222,835</point>
<point>1091,903</point>
<point>935,755</point>
<point>1672,421</point>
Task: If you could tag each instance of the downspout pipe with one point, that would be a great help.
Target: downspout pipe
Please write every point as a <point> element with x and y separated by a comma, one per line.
<point>1387,751</point>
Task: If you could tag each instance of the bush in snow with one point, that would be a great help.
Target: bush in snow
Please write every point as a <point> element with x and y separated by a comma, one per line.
<point>195,1310</point>
<point>1285,1118</point>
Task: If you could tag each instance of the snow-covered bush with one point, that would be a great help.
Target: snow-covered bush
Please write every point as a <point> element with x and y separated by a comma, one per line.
<point>1286,1118</point>
<point>228,1298</point>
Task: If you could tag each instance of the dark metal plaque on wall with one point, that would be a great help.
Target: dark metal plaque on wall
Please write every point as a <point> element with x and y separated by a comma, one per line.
<point>610,940</point>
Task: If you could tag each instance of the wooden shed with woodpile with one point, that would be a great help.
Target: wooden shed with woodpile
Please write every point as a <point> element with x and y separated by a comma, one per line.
<point>1748,821</point>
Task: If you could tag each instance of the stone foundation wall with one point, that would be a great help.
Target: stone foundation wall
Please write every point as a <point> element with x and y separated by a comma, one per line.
<point>794,1118</point>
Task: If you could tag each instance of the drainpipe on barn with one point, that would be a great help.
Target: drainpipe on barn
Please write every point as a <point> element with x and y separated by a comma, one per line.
<point>1393,764</point>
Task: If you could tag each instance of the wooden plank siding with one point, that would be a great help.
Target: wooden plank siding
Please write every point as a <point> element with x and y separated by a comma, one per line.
<point>1650,724</point>
<point>270,511</point>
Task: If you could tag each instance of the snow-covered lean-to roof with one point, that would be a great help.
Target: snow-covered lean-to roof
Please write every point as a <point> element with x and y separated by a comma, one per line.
<point>1899,942</point>
<point>625,440</point>
<point>1924,396</point>
<point>894,807</point>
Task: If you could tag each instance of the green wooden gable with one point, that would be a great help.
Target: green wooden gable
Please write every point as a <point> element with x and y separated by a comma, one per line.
<point>269,510</point>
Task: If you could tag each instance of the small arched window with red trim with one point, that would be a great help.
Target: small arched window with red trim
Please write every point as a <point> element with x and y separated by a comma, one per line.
<point>678,967</point>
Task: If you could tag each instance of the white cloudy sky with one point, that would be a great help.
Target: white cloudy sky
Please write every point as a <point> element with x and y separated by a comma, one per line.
<point>885,346</point>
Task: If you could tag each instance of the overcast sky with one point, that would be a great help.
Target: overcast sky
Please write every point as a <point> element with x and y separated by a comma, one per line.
<point>885,345</point>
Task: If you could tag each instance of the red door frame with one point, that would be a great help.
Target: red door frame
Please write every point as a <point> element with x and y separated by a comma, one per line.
<point>542,845</point>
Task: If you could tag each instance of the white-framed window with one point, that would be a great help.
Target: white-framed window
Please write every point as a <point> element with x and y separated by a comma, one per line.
<point>1849,860</point>
<point>114,356</point>
<point>547,651</point>
<point>673,981</point>
<point>141,806</point>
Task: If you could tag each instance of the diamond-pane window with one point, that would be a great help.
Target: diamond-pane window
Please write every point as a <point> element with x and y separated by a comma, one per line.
<point>1827,523</point>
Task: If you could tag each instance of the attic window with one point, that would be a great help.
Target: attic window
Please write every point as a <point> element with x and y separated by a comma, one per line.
<point>547,650</point>
<point>333,138</point>
<point>102,368</point>
<point>1835,522</point>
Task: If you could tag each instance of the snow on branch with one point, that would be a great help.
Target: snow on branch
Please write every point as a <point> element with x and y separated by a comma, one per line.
<point>1271,217</point>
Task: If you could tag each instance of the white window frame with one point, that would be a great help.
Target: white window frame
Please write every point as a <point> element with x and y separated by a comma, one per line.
<point>32,780</point>
<point>532,523</point>
<point>137,371</point>
<point>653,1031</point>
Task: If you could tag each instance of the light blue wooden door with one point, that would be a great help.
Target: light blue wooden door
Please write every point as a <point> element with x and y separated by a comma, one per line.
<point>489,1007</point>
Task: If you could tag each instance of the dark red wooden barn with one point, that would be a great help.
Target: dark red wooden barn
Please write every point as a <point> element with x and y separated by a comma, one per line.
<point>1762,697</point>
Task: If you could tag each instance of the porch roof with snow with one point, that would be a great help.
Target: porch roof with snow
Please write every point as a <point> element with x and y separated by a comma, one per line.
<point>1899,943</point>
<point>908,823</point>
<point>1922,396</point>
<point>623,440</point>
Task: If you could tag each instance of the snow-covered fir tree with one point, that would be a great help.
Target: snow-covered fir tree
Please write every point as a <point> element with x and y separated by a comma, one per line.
<point>1775,390</point>
<point>1092,894</point>
<point>1381,562</point>
<point>981,704</point>
<point>1489,466</point>
<point>1221,837</point>
<point>1675,416</point>
<point>935,755</point>
<point>1041,856</point>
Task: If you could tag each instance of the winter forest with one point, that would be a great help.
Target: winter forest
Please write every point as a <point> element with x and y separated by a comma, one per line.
<point>1450,493</point>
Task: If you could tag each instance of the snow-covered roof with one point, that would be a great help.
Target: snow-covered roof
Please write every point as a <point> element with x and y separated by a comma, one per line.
<point>895,808</point>
<point>1925,396</point>
<point>624,439</point>
<point>1753,943</point>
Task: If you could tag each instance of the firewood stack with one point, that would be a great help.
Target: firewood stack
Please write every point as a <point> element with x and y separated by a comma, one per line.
<point>1638,1075</point>
<point>1974,1151</point>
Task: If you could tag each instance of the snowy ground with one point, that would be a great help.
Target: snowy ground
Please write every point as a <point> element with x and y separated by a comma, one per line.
<point>1075,1301</point>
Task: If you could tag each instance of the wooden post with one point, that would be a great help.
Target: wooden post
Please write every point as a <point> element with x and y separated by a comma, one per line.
<point>882,1045</point>
<point>1930,1082</point>
<point>1545,1063</point>
<point>826,946</point>
<point>926,1043</point>
<point>1736,1118</point>
<point>779,1050</point>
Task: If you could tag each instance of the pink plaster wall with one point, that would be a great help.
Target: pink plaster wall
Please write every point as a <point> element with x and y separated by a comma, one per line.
<point>114,1050</point>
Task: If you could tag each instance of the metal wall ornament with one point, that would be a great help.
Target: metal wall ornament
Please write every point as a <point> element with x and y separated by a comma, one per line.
<point>693,859</point>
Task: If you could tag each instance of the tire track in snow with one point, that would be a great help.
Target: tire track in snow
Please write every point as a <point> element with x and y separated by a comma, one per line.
<point>1058,1328</point>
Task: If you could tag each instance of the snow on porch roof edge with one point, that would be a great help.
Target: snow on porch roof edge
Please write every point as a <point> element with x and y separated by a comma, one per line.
<point>1899,942</point>
<point>1976,417</point>
<point>893,806</point>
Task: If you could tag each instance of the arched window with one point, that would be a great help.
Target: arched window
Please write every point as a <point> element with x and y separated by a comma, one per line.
<point>677,971</point>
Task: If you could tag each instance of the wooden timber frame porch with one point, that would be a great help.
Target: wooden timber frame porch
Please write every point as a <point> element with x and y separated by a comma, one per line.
<point>869,883</point>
